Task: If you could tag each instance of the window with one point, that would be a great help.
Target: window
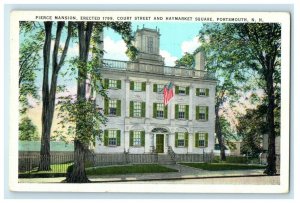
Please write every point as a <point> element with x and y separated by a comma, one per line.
<point>181,111</point>
<point>137,109</point>
<point>137,86</point>
<point>112,138</point>
<point>180,141</point>
<point>150,45</point>
<point>112,83</point>
<point>160,111</point>
<point>201,139</point>
<point>160,88</point>
<point>112,105</point>
<point>181,90</point>
<point>137,138</point>
<point>202,112</point>
<point>202,92</point>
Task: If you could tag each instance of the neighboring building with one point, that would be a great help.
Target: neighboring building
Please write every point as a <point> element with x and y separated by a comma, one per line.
<point>138,121</point>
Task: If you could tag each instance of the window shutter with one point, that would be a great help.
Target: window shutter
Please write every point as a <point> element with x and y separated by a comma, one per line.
<point>187,90</point>
<point>154,110</point>
<point>187,112</point>
<point>196,139</point>
<point>118,107</point>
<point>131,85</point>
<point>197,112</point>
<point>131,109</point>
<point>176,89</point>
<point>106,82</point>
<point>143,138</point>
<point>131,138</point>
<point>176,139</point>
<point>197,91</point>
<point>206,114</point>
<point>166,111</point>
<point>118,137</point>
<point>154,87</point>
<point>207,92</point>
<point>206,139</point>
<point>144,86</point>
<point>143,109</point>
<point>106,106</point>
<point>105,137</point>
<point>176,111</point>
<point>186,140</point>
<point>119,84</point>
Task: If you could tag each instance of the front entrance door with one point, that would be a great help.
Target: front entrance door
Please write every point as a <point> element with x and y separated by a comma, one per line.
<point>160,143</point>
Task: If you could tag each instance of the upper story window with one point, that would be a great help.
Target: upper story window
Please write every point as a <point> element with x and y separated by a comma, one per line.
<point>112,105</point>
<point>159,88</point>
<point>202,92</point>
<point>112,83</point>
<point>182,90</point>
<point>112,138</point>
<point>160,111</point>
<point>137,86</point>
<point>181,111</point>
<point>202,113</point>
<point>150,45</point>
<point>137,109</point>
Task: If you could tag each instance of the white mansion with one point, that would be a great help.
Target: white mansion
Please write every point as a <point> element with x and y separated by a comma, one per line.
<point>138,121</point>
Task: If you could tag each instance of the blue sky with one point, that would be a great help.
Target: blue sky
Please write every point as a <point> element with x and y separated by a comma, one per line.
<point>175,39</point>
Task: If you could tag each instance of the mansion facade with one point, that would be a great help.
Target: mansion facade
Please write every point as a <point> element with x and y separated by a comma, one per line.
<point>138,120</point>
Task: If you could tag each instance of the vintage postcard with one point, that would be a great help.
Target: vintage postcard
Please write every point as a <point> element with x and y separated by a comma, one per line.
<point>127,101</point>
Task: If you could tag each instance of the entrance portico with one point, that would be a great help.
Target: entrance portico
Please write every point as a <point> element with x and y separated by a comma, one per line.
<point>160,140</point>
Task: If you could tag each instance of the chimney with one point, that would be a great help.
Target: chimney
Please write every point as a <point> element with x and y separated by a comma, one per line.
<point>199,61</point>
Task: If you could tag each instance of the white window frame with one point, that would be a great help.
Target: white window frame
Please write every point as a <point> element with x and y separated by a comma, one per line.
<point>112,83</point>
<point>112,104</point>
<point>137,109</point>
<point>202,111</point>
<point>201,139</point>
<point>160,88</point>
<point>137,138</point>
<point>180,112</point>
<point>112,138</point>
<point>137,86</point>
<point>181,140</point>
<point>160,110</point>
<point>202,92</point>
<point>182,89</point>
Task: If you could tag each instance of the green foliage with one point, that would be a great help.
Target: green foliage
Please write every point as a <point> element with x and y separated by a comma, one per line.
<point>27,130</point>
<point>187,60</point>
<point>83,118</point>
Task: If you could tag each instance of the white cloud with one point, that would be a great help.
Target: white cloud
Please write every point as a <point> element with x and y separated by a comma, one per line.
<point>190,46</point>
<point>169,59</point>
<point>114,49</point>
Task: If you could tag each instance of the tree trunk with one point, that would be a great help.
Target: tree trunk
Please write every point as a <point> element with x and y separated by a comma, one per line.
<point>78,174</point>
<point>219,135</point>
<point>46,127</point>
<point>271,167</point>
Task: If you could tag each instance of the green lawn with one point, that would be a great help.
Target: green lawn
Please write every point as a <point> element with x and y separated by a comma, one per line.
<point>137,168</point>
<point>222,166</point>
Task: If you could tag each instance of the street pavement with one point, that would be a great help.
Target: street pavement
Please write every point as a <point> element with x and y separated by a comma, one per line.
<point>185,174</point>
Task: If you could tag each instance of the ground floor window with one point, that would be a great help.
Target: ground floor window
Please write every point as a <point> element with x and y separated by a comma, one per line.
<point>201,139</point>
<point>112,138</point>
<point>181,139</point>
<point>137,138</point>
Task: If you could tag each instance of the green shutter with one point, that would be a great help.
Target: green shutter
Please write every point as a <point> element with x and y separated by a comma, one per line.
<point>144,86</point>
<point>106,101</point>
<point>196,139</point>
<point>166,112</point>
<point>206,139</point>
<point>176,89</point>
<point>206,114</point>
<point>187,112</point>
<point>119,86</point>
<point>143,109</point>
<point>186,140</point>
<point>197,91</point>
<point>176,111</point>
<point>131,109</point>
<point>105,137</point>
<point>187,90</point>
<point>197,112</point>
<point>154,110</point>
<point>207,92</point>
<point>154,87</point>
<point>143,138</point>
<point>176,139</point>
<point>131,85</point>
<point>106,82</point>
<point>118,137</point>
<point>118,107</point>
<point>131,138</point>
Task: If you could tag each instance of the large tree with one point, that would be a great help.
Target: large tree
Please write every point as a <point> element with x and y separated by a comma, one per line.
<point>258,46</point>
<point>89,33</point>
<point>49,86</point>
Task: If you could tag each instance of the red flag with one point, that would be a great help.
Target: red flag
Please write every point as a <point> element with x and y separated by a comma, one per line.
<point>168,93</point>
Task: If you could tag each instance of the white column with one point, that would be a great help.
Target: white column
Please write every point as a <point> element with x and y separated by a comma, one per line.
<point>147,142</point>
<point>191,143</point>
<point>148,105</point>
<point>191,107</point>
<point>127,101</point>
<point>126,140</point>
